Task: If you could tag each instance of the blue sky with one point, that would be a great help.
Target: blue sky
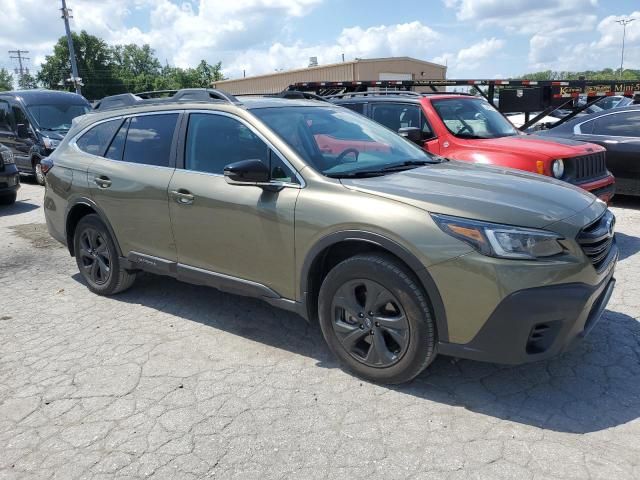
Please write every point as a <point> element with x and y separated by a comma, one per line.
<point>475,38</point>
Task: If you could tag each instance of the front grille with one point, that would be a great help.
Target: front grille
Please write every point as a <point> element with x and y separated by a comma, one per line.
<point>597,239</point>
<point>587,167</point>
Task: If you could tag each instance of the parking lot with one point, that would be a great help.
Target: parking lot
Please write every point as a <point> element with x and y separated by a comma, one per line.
<point>170,380</point>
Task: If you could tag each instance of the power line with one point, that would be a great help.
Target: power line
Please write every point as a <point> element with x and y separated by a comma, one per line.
<point>21,71</point>
<point>624,22</point>
<point>75,78</point>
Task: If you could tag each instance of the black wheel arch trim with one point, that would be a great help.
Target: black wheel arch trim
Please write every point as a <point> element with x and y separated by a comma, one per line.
<point>87,202</point>
<point>392,247</point>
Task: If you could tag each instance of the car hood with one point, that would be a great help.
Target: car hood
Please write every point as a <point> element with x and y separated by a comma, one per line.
<point>480,192</point>
<point>536,146</point>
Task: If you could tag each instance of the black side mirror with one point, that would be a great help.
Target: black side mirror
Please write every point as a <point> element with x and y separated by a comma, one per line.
<point>411,133</point>
<point>251,171</point>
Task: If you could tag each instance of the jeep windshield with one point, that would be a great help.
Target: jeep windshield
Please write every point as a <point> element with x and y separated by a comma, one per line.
<point>472,118</point>
<point>56,116</point>
<point>340,143</point>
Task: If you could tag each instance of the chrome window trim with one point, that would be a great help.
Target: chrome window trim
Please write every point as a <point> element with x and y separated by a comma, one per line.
<point>578,131</point>
<point>302,183</point>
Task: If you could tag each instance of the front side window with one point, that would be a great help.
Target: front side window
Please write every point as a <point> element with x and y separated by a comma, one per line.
<point>215,141</point>
<point>397,115</point>
<point>149,139</point>
<point>354,107</point>
<point>338,142</point>
<point>56,116</point>
<point>623,124</point>
<point>6,117</point>
<point>96,140</point>
<point>22,122</point>
<point>472,118</point>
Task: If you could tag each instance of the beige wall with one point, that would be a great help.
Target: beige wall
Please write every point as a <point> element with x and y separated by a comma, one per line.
<point>349,71</point>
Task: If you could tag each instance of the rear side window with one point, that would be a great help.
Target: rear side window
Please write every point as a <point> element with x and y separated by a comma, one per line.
<point>215,141</point>
<point>96,140</point>
<point>116,149</point>
<point>6,117</point>
<point>623,124</point>
<point>149,139</point>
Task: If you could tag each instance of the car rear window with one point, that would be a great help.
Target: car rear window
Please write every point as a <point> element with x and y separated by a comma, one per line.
<point>96,140</point>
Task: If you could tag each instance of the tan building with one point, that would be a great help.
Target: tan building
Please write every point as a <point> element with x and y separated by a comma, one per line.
<point>394,68</point>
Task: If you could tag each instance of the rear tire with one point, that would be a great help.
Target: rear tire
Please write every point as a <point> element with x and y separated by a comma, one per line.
<point>97,258</point>
<point>376,319</point>
<point>8,199</point>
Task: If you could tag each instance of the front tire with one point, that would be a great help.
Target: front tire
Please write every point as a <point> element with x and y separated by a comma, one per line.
<point>8,199</point>
<point>97,258</point>
<point>376,319</point>
<point>37,173</point>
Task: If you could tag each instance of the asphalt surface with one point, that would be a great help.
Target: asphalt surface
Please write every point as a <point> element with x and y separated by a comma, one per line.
<point>170,380</point>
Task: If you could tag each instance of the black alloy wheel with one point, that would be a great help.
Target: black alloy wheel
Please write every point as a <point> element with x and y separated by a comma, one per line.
<point>370,323</point>
<point>94,256</point>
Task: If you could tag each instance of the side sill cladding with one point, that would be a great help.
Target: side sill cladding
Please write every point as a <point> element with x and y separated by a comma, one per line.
<point>392,247</point>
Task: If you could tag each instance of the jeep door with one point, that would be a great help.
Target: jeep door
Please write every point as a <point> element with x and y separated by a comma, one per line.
<point>129,181</point>
<point>242,232</point>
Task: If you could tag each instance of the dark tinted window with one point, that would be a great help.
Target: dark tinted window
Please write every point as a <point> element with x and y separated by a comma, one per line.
<point>215,141</point>
<point>396,116</point>
<point>116,149</point>
<point>149,139</point>
<point>6,118</point>
<point>21,121</point>
<point>356,107</point>
<point>95,140</point>
<point>624,124</point>
<point>587,127</point>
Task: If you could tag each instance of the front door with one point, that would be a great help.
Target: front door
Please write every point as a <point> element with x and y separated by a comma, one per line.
<point>17,133</point>
<point>129,182</point>
<point>244,232</point>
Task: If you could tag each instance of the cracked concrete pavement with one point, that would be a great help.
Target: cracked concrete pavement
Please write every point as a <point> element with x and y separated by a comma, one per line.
<point>170,380</point>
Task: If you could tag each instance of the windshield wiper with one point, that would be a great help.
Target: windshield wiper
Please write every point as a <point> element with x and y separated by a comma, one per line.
<point>396,167</point>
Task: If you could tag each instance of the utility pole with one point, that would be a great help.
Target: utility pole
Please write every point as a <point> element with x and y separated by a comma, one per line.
<point>21,71</point>
<point>75,78</point>
<point>624,22</point>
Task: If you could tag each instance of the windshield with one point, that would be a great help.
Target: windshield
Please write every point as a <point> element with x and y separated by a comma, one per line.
<point>340,143</point>
<point>57,116</point>
<point>473,118</point>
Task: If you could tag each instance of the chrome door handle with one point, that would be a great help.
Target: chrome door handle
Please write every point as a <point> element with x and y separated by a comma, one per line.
<point>183,197</point>
<point>102,182</point>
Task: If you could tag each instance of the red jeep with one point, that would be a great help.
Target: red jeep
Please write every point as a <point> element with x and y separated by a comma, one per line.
<point>465,127</point>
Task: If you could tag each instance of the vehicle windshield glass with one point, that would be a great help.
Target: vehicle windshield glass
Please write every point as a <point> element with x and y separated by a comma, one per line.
<point>338,142</point>
<point>56,116</point>
<point>473,118</point>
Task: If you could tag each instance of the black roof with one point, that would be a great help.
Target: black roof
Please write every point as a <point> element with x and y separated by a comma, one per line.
<point>39,96</point>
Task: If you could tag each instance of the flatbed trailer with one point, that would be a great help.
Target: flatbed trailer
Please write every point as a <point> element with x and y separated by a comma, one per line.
<point>515,96</point>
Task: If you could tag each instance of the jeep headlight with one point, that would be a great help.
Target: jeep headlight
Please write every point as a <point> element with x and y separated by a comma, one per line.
<point>557,168</point>
<point>7,156</point>
<point>502,241</point>
<point>50,143</point>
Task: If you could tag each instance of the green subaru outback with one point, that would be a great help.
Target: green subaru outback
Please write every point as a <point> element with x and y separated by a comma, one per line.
<point>398,254</point>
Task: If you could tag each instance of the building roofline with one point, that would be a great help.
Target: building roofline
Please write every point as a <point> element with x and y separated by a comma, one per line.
<point>329,65</point>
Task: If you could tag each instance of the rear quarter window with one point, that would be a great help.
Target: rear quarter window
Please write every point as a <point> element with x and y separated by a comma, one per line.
<point>96,140</point>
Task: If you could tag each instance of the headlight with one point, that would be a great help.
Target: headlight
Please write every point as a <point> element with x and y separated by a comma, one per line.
<point>50,143</point>
<point>557,168</point>
<point>7,156</point>
<point>503,241</point>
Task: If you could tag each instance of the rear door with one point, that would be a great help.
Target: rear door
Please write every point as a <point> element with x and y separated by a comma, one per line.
<point>129,182</point>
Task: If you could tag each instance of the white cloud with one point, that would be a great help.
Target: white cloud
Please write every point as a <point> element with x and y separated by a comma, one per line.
<point>470,58</point>
<point>527,17</point>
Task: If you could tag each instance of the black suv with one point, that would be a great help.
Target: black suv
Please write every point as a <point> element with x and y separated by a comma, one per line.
<point>33,122</point>
<point>9,177</point>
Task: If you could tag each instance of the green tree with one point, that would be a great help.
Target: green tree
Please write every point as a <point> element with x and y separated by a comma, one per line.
<point>95,66</point>
<point>137,67</point>
<point>27,81</point>
<point>604,74</point>
<point>6,80</point>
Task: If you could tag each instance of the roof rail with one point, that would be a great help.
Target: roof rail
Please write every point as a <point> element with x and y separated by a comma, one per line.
<point>296,95</point>
<point>372,93</point>
<point>165,96</point>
